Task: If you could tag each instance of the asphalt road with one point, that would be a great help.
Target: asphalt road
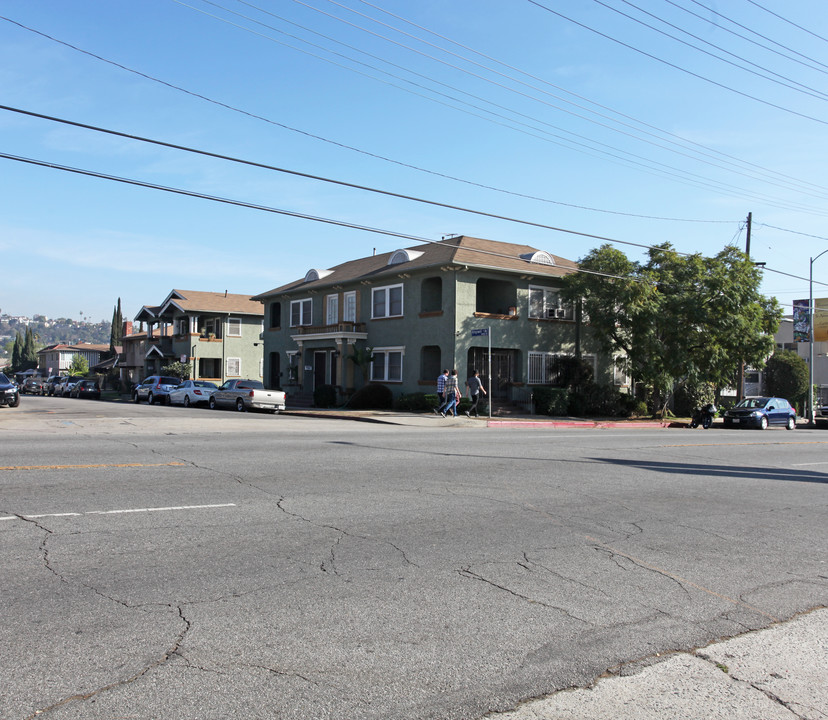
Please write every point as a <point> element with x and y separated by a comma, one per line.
<point>193,564</point>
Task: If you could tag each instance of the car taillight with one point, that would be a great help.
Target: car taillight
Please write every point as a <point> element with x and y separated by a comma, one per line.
<point>196,392</point>
<point>158,387</point>
<point>250,394</point>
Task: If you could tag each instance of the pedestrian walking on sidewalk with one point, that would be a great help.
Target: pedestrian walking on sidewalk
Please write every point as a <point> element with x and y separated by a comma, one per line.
<point>475,387</point>
<point>452,396</point>
<point>441,390</point>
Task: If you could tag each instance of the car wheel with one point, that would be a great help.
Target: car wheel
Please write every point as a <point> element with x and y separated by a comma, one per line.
<point>135,398</point>
<point>763,422</point>
<point>212,403</point>
<point>240,405</point>
<point>150,399</point>
<point>791,424</point>
<point>167,400</point>
<point>186,401</point>
<point>15,402</point>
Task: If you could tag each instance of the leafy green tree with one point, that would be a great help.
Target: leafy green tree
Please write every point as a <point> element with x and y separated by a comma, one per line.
<point>178,369</point>
<point>678,319</point>
<point>787,376</point>
<point>79,365</point>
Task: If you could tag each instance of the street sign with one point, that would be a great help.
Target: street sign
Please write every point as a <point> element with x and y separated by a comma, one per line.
<point>481,331</point>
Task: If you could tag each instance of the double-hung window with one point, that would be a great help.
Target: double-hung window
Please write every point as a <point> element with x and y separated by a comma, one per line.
<point>301,312</point>
<point>349,309</point>
<point>387,301</point>
<point>232,367</point>
<point>545,303</point>
<point>234,327</point>
<point>332,309</point>
<point>387,364</point>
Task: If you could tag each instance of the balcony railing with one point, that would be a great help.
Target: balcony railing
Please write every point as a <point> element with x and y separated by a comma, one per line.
<point>333,329</point>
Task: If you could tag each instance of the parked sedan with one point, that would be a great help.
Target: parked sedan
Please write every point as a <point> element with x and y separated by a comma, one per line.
<point>86,389</point>
<point>155,388</point>
<point>192,392</point>
<point>760,412</point>
<point>9,394</point>
<point>49,385</point>
<point>33,385</point>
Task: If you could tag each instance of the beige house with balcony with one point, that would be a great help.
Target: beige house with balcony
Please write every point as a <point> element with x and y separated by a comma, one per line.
<point>218,334</point>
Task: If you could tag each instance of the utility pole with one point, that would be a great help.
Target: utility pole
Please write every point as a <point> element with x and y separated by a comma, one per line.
<point>740,382</point>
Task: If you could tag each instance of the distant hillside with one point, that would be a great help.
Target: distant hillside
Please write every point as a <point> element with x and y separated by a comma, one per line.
<point>51,332</point>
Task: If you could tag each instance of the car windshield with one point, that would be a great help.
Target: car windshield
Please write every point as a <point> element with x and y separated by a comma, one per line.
<point>755,402</point>
<point>4,379</point>
<point>169,381</point>
<point>204,384</point>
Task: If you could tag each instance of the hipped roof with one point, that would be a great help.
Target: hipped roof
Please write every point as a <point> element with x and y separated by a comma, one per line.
<point>457,251</point>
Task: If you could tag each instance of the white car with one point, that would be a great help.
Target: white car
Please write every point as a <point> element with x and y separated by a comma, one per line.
<point>192,392</point>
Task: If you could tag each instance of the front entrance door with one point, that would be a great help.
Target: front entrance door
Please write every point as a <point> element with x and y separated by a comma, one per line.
<point>503,370</point>
<point>320,368</point>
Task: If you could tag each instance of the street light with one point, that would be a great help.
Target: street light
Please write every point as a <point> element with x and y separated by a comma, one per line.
<point>811,421</point>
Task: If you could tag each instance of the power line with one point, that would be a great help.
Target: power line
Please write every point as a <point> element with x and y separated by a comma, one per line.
<point>805,89</point>
<point>345,146</point>
<point>764,37</point>
<point>676,67</point>
<point>297,173</point>
<point>288,213</point>
<point>790,22</point>
<point>611,151</point>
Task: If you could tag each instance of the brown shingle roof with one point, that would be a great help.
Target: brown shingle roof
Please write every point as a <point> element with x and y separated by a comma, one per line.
<point>461,250</point>
<point>200,301</point>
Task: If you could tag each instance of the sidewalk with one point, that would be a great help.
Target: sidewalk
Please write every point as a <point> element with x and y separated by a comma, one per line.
<point>395,417</point>
<point>780,673</point>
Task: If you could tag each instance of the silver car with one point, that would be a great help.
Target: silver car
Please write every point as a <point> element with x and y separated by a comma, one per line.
<point>192,392</point>
<point>155,389</point>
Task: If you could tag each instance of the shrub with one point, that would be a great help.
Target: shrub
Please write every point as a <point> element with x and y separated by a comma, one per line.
<point>592,399</point>
<point>550,400</point>
<point>324,396</point>
<point>418,402</point>
<point>372,396</point>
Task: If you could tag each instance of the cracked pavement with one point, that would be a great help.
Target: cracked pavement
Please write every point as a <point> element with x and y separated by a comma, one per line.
<point>258,566</point>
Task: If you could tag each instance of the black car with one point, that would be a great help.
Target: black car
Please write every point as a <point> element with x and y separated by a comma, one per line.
<point>759,412</point>
<point>86,389</point>
<point>49,385</point>
<point>9,394</point>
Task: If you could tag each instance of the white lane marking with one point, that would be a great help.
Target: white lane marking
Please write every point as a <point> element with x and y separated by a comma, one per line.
<point>824,462</point>
<point>121,512</point>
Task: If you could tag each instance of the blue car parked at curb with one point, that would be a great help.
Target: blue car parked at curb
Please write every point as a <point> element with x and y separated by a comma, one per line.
<point>760,412</point>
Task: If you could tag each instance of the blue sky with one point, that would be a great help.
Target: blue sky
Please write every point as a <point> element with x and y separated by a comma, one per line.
<point>570,113</point>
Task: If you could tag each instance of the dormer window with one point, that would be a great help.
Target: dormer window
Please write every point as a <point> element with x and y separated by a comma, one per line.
<point>539,257</point>
<point>403,256</point>
<point>314,274</point>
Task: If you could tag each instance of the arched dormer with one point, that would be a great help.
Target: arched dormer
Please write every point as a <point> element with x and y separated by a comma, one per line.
<point>314,274</point>
<point>403,256</point>
<point>539,257</point>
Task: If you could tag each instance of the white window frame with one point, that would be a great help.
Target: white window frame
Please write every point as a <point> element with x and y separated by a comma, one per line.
<point>234,323</point>
<point>305,313</point>
<point>385,310</point>
<point>230,364</point>
<point>349,306</point>
<point>549,306</point>
<point>331,309</point>
<point>380,364</point>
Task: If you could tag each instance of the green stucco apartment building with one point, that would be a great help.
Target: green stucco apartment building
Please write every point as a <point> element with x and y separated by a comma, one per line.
<point>421,310</point>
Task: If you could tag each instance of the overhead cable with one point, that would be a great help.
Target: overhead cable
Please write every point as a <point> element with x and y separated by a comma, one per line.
<point>344,146</point>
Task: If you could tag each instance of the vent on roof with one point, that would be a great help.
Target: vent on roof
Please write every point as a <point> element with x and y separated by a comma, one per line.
<point>403,256</point>
<point>540,257</point>
<point>314,274</point>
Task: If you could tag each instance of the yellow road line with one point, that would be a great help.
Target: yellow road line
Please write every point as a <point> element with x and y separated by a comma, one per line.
<point>84,467</point>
